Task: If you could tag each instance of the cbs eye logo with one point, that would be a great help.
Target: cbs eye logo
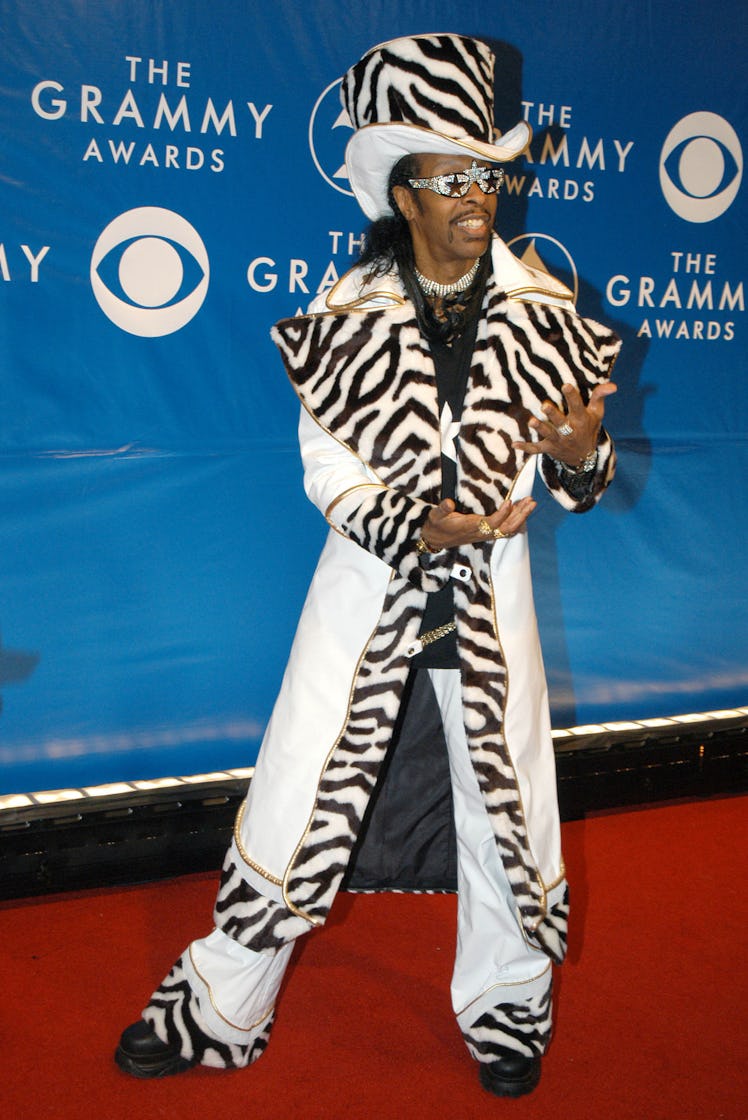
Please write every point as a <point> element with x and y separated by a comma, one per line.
<point>701,166</point>
<point>150,271</point>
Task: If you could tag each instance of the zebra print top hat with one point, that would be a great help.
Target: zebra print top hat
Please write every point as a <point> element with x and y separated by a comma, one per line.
<point>422,93</point>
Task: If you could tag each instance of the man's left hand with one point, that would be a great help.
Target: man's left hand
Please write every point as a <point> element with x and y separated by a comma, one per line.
<point>569,436</point>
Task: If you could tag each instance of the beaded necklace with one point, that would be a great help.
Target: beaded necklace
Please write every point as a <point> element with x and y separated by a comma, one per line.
<point>434,288</point>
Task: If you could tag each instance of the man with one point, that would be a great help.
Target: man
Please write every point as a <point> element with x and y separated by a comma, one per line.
<point>419,375</point>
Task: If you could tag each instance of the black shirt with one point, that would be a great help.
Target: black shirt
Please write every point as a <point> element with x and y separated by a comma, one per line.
<point>452,365</point>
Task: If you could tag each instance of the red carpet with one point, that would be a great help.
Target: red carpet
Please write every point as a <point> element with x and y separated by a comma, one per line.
<point>651,1016</point>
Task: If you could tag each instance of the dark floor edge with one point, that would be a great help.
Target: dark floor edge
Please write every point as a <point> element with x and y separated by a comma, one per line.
<point>144,831</point>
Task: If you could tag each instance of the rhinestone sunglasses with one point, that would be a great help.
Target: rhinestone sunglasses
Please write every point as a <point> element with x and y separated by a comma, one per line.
<point>458,183</point>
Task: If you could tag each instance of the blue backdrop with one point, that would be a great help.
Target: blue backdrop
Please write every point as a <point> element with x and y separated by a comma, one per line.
<point>170,185</point>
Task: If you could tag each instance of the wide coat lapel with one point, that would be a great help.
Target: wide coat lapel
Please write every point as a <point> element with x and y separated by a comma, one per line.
<point>368,378</point>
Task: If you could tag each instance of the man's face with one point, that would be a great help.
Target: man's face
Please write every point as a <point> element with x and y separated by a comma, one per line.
<point>448,233</point>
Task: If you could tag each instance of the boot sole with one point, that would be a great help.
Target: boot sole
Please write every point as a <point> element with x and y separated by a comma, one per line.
<point>509,1087</point>
<point>145,1068</point>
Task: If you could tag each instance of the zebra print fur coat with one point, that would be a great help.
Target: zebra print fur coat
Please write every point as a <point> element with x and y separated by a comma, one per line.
<point>370,443</point>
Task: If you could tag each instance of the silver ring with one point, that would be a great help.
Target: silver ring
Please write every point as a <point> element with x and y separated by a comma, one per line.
<point>565,429</point>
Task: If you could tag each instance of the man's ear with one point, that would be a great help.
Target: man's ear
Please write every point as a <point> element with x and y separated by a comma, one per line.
<point>405,201</point>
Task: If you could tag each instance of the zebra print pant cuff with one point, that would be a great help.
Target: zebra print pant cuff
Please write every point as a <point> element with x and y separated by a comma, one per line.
<point>175,1016</point>
<point>520,1021</point>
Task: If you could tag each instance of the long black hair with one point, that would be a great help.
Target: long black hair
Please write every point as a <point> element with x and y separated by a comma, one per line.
<point>388,246</point>
<point>387,241</point>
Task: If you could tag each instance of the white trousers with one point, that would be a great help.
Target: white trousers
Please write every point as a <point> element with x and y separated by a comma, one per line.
<point>236,987</point>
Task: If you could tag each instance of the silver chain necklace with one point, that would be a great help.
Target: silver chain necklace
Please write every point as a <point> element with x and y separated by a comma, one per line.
<point>433,288</point>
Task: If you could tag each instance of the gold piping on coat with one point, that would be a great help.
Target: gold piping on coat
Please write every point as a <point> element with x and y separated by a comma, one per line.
<point>243,851</point>
<point>559,878</point>
<point>543,896</point>
<point>216,1008</point>
<point>351,490</point>
<point>295,909</point>
<point>508,984</point>
<point>342,442</point>
<point>361,302</point>
<point>518,294</point>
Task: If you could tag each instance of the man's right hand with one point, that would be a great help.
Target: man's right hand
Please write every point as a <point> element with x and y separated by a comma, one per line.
<point>446,528</point>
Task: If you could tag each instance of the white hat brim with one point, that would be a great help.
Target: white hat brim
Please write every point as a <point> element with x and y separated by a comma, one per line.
<point>374,150</point>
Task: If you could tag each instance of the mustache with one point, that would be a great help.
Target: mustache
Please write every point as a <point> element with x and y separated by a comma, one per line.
<point>473,212</point>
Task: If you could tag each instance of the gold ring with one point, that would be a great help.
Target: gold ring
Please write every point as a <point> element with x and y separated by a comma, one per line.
<point>484,528</point>
<point>501,536</point>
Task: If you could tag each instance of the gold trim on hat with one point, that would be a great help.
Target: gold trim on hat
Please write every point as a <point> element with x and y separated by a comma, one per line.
<point>472,143</point>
